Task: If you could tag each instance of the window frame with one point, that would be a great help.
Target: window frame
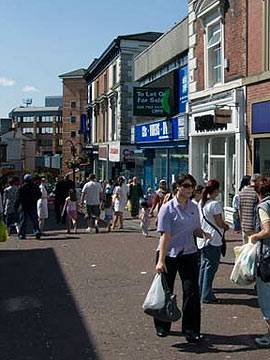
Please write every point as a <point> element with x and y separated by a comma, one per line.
<point>210,83</point>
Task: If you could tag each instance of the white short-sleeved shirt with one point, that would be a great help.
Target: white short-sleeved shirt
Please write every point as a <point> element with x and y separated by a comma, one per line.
<point>92,191</point>
<point>211,208</point>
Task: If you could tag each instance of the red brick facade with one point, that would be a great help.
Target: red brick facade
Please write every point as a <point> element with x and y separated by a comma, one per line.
<point>235,44</point>
<point>74,90</point>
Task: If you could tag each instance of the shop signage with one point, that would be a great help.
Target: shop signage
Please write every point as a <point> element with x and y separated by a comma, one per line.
<point>103,152</point>
<point>223,116</point>
<point>260,117</point>
<point>151,101</point>
<point>183,89</point>
<point>114,151</point>
<point>164,130</point>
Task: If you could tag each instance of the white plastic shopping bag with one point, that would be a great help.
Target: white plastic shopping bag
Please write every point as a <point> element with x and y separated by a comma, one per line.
<point>155,298</point>
<point>244,270</point>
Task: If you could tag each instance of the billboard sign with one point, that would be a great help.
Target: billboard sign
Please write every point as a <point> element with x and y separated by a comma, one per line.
<point>151,101</point>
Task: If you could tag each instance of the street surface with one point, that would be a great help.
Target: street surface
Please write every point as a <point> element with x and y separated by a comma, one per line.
<point>79,297</point>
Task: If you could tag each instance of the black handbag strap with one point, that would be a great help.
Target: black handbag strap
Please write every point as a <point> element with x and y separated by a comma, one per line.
<point>209,222</point>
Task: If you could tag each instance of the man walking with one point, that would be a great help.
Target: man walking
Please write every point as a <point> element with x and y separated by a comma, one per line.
<point>28,195</point>
<point>247,208</point>
<point>92,194</point>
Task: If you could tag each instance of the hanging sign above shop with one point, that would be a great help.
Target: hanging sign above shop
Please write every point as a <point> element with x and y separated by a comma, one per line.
<point>164,130</point>
<point>151,101</point>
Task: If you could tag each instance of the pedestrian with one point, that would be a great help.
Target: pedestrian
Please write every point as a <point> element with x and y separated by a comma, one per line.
<point>236,204</point>
<point>119,202</point>
<point>178,222</point>
<point>159,197</point>
<point>144,217</point>
<point>197,194</point>
<point>28,195</point>
<point>108,207</point>
<point>9,200</point>
<point>262,235</point>
<point>62,188</point>
<point>42,204</point>
<point>135,194</point>
<point>92,194</point>
<point>211,215</point>
<point>247,204</point>
<point>71,208</point>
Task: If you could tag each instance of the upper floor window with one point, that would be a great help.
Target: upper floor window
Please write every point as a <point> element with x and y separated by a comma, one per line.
<point>73,104</point>
<point>27,119</point>
<point>73,134</point>
<point>73,119</point>
<point>267,35</point>
<point>105,82</point>
<point>47,119</point>
<point>214,54</point>
<point>28,131</point>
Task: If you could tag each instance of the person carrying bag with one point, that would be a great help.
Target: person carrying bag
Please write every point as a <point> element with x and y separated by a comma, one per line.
<point>212,222</point>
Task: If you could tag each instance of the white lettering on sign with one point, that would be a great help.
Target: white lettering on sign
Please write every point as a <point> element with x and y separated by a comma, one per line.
<point>144,131</point>
<point>164,128</point>
<point>154,130</point>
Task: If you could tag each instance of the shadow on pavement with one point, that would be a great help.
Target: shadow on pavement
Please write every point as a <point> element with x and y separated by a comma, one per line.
<point>227,343</point>
<point>236,291</point>
<point>39,319</point>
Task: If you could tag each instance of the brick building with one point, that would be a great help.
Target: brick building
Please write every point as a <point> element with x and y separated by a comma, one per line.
<point>110,106</point>
<point>258,87</point>
<point>75,127</point>
<point>217,68</point>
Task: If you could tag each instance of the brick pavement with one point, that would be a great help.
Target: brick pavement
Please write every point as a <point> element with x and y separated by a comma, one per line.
<point>79,296</point>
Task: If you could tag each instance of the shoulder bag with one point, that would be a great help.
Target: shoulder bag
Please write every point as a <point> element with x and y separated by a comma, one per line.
<point>224,245</point>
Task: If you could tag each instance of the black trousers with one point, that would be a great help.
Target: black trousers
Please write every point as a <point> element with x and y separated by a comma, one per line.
<point>187,267</point>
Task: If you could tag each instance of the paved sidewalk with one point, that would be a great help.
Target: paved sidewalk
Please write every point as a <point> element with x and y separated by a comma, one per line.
<point>79,296</point>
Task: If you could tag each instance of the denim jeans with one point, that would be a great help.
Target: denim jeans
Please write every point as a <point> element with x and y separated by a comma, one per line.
<point>210,256</point>
<point>32,215</point>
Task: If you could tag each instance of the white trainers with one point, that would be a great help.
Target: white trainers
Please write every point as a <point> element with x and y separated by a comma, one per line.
<point>263,341</point>
<point>88,230</point>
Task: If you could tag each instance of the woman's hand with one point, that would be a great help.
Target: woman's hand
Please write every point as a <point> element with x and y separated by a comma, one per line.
<point>253,238</point>
<point>226,227</point>
<point>207,236</point>
<point>161,267</point>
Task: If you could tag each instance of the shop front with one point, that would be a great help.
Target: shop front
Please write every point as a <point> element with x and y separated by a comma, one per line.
<point>162,150</point>
<point>217,143</point>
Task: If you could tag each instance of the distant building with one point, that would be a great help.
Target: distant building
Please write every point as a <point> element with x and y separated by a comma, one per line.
<point>74,116</point>
<point>43,125</point>
<point>53,101</point>
<point>5,125</point>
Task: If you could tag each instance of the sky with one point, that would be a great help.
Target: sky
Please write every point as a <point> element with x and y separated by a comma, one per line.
<point>42,39</point>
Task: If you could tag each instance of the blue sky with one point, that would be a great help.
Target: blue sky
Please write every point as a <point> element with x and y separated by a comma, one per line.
<point>41,39</point>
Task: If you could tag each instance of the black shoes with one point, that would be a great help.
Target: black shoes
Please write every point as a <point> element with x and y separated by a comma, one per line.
<point>192,337</point>
<point>162,332</point>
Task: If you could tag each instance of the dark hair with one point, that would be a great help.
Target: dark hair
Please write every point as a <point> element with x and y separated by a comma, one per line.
<point>199,188</point>
<point>183,177</point>
<point>144,204</point>
<point>174,188</point>
<point>92,177</point>
<point>244,182</point>
<point>210,187</point>
<point>262,186</point>
<point>72,195</point>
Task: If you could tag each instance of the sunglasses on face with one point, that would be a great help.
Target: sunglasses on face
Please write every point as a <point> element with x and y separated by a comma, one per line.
<point>187,186</point>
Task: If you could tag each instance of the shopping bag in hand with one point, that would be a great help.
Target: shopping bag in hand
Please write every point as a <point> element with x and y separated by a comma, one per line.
<point>244,270</point>
<point>159,301</point>
<point>3,231</point>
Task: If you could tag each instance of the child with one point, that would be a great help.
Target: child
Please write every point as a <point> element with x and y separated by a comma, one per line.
<point>144,217</point>
<point>108,208</point>
<point>71,207</point>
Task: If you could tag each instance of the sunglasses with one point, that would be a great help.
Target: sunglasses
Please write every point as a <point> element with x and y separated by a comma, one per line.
<point>187,186</point>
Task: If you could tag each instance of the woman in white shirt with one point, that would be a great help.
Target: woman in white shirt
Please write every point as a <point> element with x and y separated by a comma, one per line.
<point>211,222</point>
<point>42,205</point>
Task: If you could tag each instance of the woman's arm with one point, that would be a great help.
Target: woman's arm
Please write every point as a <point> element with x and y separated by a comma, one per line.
<point>220,222</point>
<point>263,234</point>
<point>164,242</point>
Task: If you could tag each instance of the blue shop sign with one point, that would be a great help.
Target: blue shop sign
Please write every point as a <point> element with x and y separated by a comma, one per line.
<point>183,89</point>
<point>260,117</point>
<point>160,131</point>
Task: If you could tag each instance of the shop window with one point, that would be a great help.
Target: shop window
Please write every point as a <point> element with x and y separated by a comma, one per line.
<point>262,156</point>
<point>214,53</point>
